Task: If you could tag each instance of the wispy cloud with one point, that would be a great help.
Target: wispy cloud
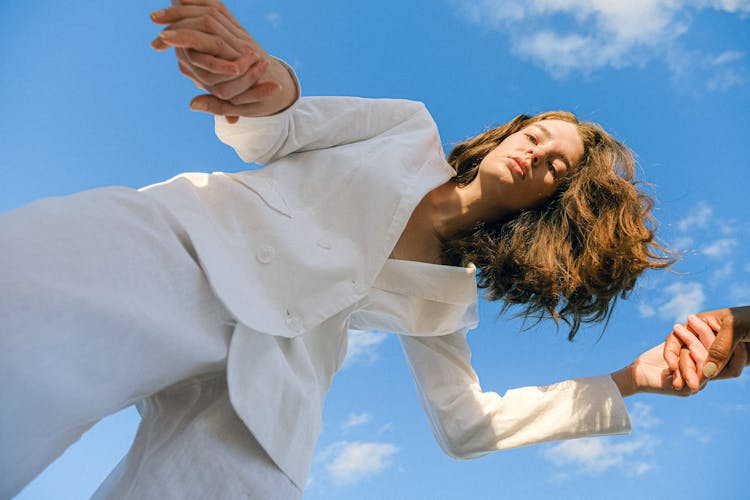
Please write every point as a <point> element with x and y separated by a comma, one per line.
<point>273,18</point>
<point>678,301</point>
<point>603,33</point>
<point>386,427</point>
<point>631,454</point>
<point>355,420</point>
<point>352,461</point>
<point>699,217</point>
<point>641,416</point>
<point>724,271</point>
<point>363,347</point>
<point>646,310</point>
<point>739,294</point>
<point>700,435</point>
<point>598,454</point>
<point>720,249</point>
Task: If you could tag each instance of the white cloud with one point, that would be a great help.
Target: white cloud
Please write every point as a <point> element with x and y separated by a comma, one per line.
<point>352,461</point>
<point>598,454</point>
<point>273,18</point>
<point>683,299</point>
<point>641,417</point>
<point>724,271</point>
<point>698,218</point>
<point>640,468</point>
<point>355,420</point>
<point>363,347</point>
<point>683,243</point>
<point>602,33</point>
<point>732,6</point>
<point>727,57</point>
<point>701,436</point>
<point>646,310</point>
<point>386,427</point>
<point>739,294</point>
<point>720,249</point>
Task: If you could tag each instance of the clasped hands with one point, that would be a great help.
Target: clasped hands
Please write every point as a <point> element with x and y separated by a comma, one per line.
<point>219,56</point>
<point>711,345</point>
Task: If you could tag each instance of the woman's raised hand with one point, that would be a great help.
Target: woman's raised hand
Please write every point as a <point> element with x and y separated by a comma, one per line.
<point>219,56</point>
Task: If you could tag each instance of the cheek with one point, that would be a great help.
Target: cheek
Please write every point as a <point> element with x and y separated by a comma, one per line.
<point>545,188</point>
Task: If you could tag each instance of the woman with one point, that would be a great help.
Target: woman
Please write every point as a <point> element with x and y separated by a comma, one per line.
<point>220,303</point>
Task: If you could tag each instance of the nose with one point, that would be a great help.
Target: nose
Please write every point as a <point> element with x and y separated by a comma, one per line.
<point>536,154</point>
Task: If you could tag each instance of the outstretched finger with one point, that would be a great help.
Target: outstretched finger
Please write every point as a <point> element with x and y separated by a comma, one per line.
<point>213,64</point>
<point>257,94</point>
<point>703,329</point>
<point>158,44</point>
<point>178,13</point>
<point>720,351</point>
<point>231,89</point>
<point>200,42</point>
<point>689,371</point>
<point>189,72</point>
<point>677,381</point>
<point>672,347</point>
<point>215,106</point>
<point>691,341</point>
<point>213,4</point>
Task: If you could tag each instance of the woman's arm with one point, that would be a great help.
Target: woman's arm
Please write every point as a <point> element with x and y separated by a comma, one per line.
<point>468,422</point>
<point>315,123</point>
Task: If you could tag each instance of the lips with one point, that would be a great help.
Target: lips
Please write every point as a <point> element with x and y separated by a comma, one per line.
<point>518,165</point>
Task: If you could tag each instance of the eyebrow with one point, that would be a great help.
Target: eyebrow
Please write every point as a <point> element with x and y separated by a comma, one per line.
<point>548,135</point>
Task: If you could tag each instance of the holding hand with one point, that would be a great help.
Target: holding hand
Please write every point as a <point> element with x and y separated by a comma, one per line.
<point>717,342</point>
<point>219,56</point>
<point>649,373</point>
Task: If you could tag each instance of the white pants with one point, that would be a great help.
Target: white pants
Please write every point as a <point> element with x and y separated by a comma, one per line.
<point>103,304</point>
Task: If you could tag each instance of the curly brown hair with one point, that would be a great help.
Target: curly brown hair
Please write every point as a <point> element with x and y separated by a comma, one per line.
<point>573,256</point>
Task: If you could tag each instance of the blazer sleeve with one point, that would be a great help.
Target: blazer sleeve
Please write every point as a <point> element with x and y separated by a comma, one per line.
<point>469,423</point>
<point>314,123</point>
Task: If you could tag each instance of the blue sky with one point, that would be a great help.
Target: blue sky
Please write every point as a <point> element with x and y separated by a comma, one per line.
<point>87,103</point>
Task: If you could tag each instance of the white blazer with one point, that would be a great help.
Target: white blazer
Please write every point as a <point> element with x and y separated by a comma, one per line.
<point>343,176</point>
<point>290,249</point>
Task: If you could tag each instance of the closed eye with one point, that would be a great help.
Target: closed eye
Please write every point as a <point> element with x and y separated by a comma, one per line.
<point>551,167</point>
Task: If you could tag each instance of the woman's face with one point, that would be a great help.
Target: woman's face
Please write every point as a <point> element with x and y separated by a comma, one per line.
<point>528,166</point>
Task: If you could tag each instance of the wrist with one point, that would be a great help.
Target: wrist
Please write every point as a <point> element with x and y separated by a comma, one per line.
<point>624,379</point>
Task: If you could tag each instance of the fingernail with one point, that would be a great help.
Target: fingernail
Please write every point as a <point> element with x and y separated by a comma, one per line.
<point>710,369</point>
<point>166,33</point>
<point>198,106</point>
<point>157,14</point>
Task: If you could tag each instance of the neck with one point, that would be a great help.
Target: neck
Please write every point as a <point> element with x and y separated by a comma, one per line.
<point>452,208</point>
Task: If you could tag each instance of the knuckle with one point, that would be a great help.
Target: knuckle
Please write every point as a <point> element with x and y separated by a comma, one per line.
<point>221,92</point>
<point>204,22</point>
<point>718,351</point>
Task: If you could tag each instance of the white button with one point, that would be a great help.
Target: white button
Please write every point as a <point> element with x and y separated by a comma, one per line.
<point>359,288</point>
<point>265,254</point>
<point>293,321</point>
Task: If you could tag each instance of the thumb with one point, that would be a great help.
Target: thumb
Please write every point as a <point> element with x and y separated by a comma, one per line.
<point>720,351</point>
